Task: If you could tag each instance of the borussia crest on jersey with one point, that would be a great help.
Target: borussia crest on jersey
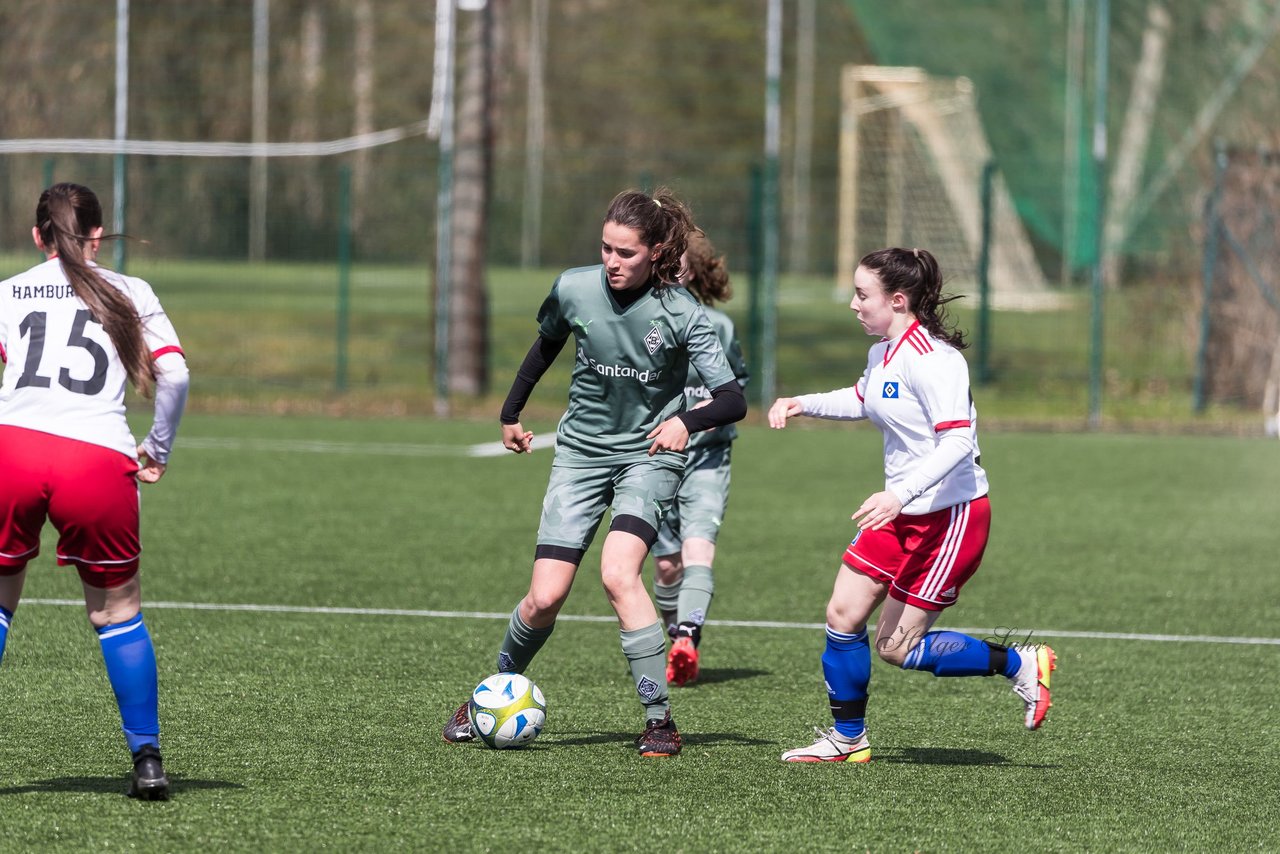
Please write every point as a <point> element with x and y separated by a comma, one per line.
<point>630,364</point>
<point>653,341</point>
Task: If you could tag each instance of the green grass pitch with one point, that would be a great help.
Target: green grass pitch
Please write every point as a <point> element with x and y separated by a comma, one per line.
<point>307,716</point>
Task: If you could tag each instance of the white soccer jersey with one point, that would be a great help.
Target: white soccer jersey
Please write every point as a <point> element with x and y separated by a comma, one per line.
<point>916,390</point>
<point>62,374</point>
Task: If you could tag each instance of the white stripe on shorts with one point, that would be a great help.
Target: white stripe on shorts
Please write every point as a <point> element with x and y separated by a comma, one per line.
<point>947,554</point>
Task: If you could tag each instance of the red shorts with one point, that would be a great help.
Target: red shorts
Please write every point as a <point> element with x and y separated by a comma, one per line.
<point>88,492</point>
<point>926,559</point>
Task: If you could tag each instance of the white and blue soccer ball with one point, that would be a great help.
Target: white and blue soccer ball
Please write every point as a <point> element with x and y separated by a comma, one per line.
<point>507,710</point>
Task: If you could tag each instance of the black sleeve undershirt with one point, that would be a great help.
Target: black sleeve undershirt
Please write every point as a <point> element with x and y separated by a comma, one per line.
<point>727,405</point>
<point>535,364</point>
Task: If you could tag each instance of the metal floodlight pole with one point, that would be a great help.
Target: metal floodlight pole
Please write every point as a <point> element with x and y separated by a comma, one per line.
<point>1073,110</point>
<point>534,137</point>
<point>802,157</point>
<point>122,128</point>
<point>258,163</point>
<point>1209,269</point>
<point>772,145</point>
<point>1101,40</point>
<point>984,276</point>
<point>440,126</point>
<point>343,307</point>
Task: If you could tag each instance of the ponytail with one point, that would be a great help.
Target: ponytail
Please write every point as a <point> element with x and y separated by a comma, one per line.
<point>708,278</point>
<point>65,216</point>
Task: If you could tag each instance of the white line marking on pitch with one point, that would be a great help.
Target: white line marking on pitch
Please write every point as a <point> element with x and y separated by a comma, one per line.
<point>1012,634</point>
<point>382,449</point>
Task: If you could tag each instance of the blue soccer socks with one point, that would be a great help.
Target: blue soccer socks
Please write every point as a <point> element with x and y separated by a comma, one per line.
<point>6,617</point>
<point>521,644</point>
<point>846,666</point>
<point>954,654</point>
<point>131,667</point>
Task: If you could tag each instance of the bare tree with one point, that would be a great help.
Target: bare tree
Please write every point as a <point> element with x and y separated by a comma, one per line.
<point>362,85</point>
<point>468,368</point>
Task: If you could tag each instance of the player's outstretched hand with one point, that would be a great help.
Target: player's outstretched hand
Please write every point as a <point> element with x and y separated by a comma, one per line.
<point>877,511</point>
<point>782,409</point>
<point>516,438</point>
<point>149,470</point>
<point>670,435</point>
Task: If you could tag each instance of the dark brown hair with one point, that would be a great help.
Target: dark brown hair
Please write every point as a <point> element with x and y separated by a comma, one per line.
<point>65,216</point>
<point>915,273</point>
<point>658,219</point>
<point>708,278</point>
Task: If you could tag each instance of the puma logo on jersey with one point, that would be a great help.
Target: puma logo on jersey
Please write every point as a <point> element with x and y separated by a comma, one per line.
<point>582,324</point>
<point>890,390</point>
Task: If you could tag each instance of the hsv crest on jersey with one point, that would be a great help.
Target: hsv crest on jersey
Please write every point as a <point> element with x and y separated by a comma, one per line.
<point>653,341</point>
<point>890,390</point>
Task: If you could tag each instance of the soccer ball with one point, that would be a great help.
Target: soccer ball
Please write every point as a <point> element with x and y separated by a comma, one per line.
<point>507,710</point>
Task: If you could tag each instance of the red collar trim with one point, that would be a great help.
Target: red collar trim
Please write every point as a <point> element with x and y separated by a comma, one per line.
<point>889,354</point>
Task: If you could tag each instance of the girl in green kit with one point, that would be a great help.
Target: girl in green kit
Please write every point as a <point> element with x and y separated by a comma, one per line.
<point>620,446</point>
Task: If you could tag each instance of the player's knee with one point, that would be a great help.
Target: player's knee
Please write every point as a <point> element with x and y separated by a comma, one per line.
<point>892,651</point>
<point>667,569</point>
<point>842,618</point>
<point>10,570</point>
<point>698,551</point>
<point>619,581</point>
<point>539,607</point>
<point>112,594</point>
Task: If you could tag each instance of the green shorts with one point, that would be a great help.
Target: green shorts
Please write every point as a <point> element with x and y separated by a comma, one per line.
<point>637,494</point>
<point>700,500</point>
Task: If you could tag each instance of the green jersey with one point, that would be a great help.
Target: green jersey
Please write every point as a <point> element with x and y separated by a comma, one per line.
<point>695,391</point>
<point>630,367</point>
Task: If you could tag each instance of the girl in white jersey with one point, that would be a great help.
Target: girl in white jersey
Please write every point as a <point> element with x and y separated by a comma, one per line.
<point>72,336</point>
<point>922,537</point>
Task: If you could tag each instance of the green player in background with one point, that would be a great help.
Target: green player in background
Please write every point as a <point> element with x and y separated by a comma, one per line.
<point>620,446</point>
<point>683,584</point>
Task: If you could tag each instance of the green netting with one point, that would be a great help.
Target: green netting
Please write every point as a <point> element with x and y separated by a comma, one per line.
<point>1017,55</point>
<point>673,96</point>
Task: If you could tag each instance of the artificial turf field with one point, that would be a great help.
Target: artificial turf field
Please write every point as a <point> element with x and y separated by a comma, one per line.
<point>323,593</point>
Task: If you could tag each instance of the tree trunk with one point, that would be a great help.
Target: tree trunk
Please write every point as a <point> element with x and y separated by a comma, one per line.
<point>362,85</point>
<point>473,162</point>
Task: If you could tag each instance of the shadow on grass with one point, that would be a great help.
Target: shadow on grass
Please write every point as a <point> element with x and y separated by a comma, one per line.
<point>697,739</point>
<point>110,785</point>
<point>946,756</point>
<point>716,675</point>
